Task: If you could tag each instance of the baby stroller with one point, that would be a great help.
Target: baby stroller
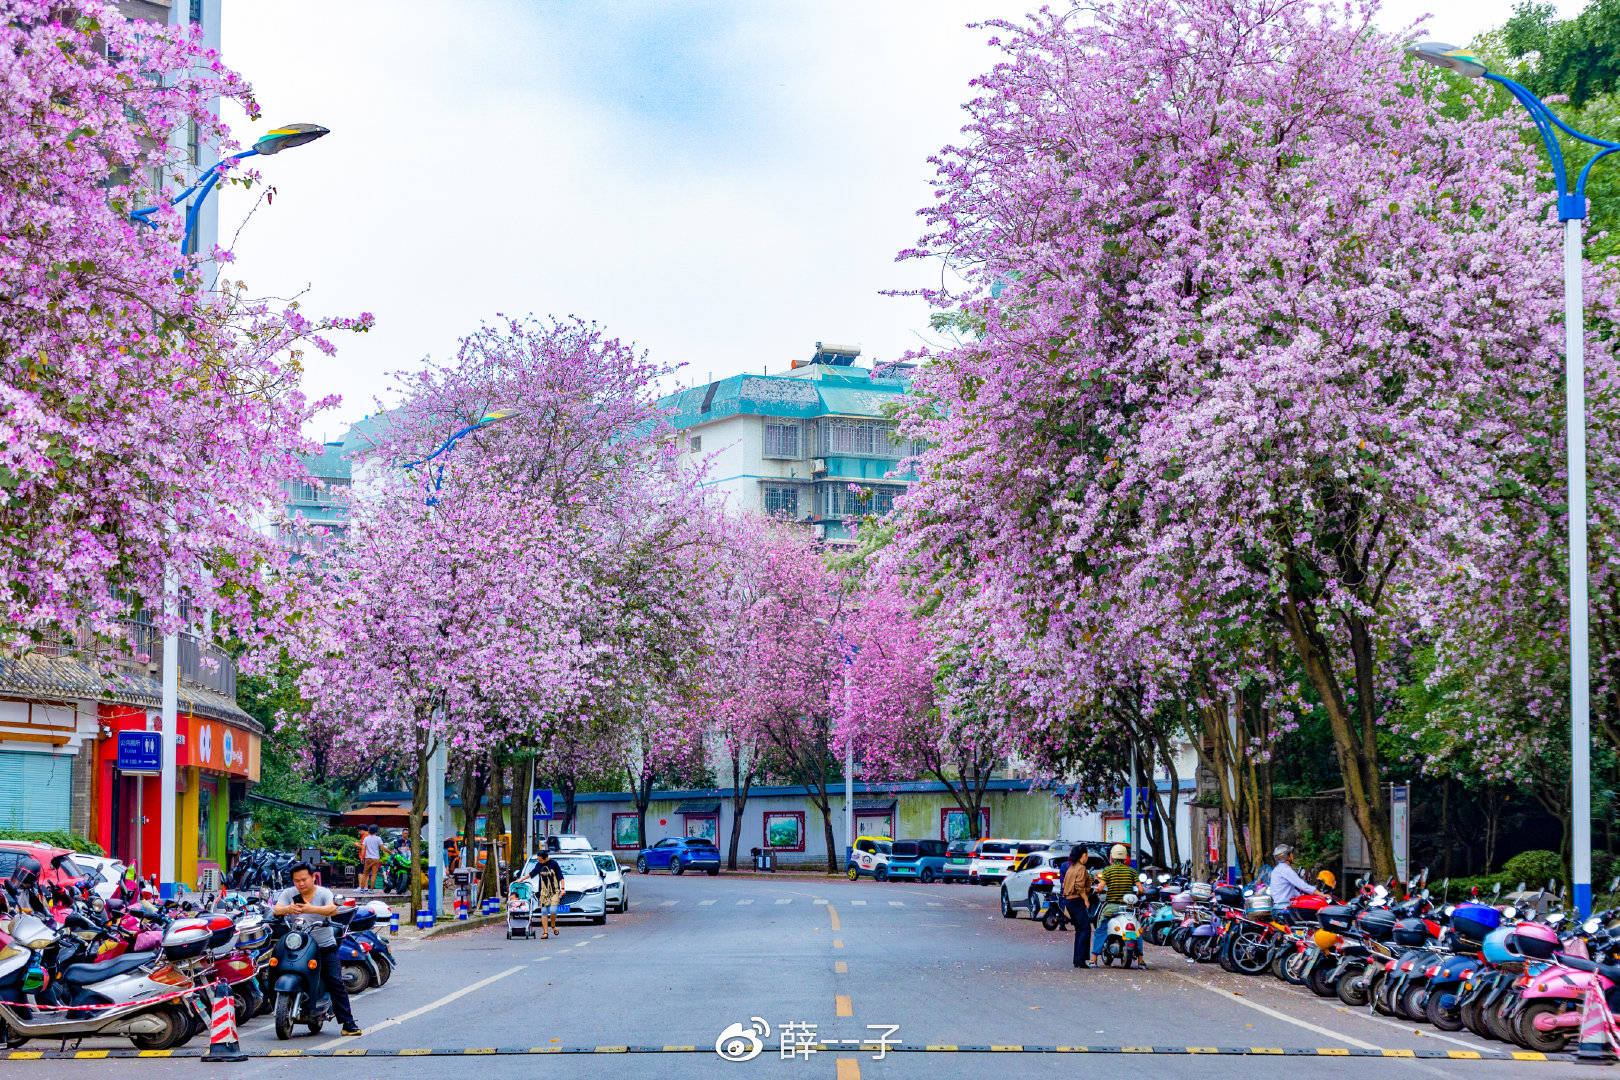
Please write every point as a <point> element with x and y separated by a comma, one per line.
<point>519,911</point>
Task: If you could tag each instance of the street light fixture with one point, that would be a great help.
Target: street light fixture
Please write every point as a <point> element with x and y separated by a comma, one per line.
<point>1572,212</point>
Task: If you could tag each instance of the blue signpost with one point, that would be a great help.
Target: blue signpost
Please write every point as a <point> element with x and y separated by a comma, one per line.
<point>140,752</point>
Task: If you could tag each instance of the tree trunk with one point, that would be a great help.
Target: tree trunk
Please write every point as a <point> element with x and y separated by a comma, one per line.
<point>490,885</point>
<point>1173,800</point>
<point>1353,736</point>
<point>824,804</point>
<point>522,796</point>
<point>643,796</point>
<point>419,798</point>
<point>473,783</point>
<point>741,780</point>
<point>1445,827</point>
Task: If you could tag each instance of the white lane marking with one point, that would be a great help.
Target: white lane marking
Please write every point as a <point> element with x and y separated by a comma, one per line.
<point>819,900</point>
<point>740,903</point>
<point>897,903</point>
<point>429,1007</point>
<point>1274,1014</point>
<point>785,900</point>
<point>580,944</point>
<point>1408,1028</point>
<point>857,903</point>
<point>705,903</point>
<point>935,903</point>
<point>595,936</point>
<point>541,960</point>
<point>669,903</point>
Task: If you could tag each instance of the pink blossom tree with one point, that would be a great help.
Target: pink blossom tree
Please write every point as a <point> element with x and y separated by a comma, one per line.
<point>1260,329</point>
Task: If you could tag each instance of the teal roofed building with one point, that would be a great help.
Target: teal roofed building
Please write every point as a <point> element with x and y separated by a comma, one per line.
<point>792,445</point>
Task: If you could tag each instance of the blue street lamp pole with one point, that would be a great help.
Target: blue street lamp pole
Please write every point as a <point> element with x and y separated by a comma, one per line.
<point>274,141</point>
<point>438,761</point>
<point>1572,212</point>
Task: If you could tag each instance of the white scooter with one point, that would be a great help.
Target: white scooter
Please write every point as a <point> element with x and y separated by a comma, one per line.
<point>126,981</point>
<point>1124,940</point>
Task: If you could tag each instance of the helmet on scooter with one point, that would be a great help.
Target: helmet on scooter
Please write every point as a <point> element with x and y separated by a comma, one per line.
<point>1326,879</point>
<point>1326,939</point>
<point>1118,853</point>
<point>1498,948</point>
<point>1534,940</point>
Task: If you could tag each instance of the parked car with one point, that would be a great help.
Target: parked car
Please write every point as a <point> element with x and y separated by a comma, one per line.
<point>569,842</point>
<point>678,854</point>
<point>584,894</point>
<point>1032,880</point>
<point>618,891</point>
<point>869,858</point>
<point>958,861</point>
<point>57,866</point>
<point>919,860</point>
<point>992,861</point>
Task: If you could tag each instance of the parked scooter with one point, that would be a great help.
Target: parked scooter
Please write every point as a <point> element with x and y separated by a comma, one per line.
<point>1124,936</point>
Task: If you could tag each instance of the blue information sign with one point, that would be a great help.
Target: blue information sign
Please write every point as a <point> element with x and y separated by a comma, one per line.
<point>542,804</point>
<point>140,752</point>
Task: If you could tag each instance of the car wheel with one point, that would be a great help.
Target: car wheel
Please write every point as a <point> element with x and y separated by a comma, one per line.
<point>676,868</point>
<point>713,871</point>
<point>624,903</point>
<point>1035,905</point>
<point>598,920</point>
<point>641,864</point>
<point>854,874</point>
<point>927,875</point>
<point>1007,910</point>
<point>881,873</point>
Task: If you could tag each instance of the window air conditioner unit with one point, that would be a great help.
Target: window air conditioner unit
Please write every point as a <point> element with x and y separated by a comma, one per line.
<point>818,465</point>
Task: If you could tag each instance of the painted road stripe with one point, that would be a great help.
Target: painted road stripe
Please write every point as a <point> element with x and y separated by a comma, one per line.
<point>705,903</point>
<point>857,903</point>
<point>740,903</point>
<point>429,1007</point>
<point>840,967</point>
<point>832,914</point>
<point>842,1006</point>
<point>848,1069</point>
<point>1273,1013</point>
<point>838,943</point>
<point>819,900</point>
<point>669,903</point>
<point>932,1048</point>
<point>897,903</point>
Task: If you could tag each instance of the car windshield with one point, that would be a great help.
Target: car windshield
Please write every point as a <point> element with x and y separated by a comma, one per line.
<point>67,865</point>
<point>578,865</point>
<point>992,848</point>
<point>607,863</point>
<point>700,844</point>
<point>905,849</point>
<point>960,847</point>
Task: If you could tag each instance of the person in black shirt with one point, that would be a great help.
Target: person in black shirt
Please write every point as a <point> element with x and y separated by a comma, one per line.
<point>548,886</point>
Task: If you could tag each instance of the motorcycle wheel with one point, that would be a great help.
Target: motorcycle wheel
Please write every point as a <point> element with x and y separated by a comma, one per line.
<point>1225,958</point>
<point>1439,1017</point>
<point>1320,980</point>
<point>1546,1042</point>
<point>1127,961</point>
<point>1472,1014</point>
<point>1378,993</point>
<point>1352,988</point>
<point>356,978</point>
<point>1250,956</point>
<point>1050,919</point>
<point>1294,968</point>
<point>385,968</point>
<point>177,1030</point>
<point>285,1001</point>
<point>1206,949</point>
<point>1501,1027</point>
<point>244,1009</point>
<point>1412,1005</point>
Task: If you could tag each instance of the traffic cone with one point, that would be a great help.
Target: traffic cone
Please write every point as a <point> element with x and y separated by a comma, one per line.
<point>1598,1032</point>
<point>222,1044</point>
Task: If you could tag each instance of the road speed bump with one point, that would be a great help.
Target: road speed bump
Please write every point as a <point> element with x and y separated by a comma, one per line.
<point>891,1048</point>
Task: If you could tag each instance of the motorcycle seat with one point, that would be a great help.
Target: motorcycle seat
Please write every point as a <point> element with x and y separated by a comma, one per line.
<point>1608,971</point>
<point>82,974</point>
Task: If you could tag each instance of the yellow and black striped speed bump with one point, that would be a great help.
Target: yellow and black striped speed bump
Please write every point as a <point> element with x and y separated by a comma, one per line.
<point>938,1048</point>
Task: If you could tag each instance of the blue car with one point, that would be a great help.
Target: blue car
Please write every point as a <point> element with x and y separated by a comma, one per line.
<point>917,860</point>
<point>678,854</point>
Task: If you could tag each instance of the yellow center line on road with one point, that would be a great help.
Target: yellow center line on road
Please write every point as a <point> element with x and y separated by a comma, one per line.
<point>832,913</point>
<point>848,1069</point>
<point>840,967</point>
<point>842,1006</point>
<point>838,943</point>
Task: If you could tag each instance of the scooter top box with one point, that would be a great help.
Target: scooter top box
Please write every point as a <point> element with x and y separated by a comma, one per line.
<point>1339,918</point>
<point>186,938</point>
<point>1474,921</point>
<point>1377,923</point>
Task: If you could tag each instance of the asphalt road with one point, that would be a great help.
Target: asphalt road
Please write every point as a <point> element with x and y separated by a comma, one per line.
<point>938,963</point>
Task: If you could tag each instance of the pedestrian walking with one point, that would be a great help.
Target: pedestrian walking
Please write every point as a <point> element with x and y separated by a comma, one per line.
<point>548,885</point>
<point>1077,901</point>
<point>370,857</point>
<point>317,905</point>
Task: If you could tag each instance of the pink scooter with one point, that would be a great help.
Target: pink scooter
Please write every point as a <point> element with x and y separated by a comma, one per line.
<point>1549,1013</point>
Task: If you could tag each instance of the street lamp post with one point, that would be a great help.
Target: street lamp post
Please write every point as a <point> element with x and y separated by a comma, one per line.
<point>1572,212</point>
<point>273,142</point>
<point>850,652</point>
<point>438,812</point>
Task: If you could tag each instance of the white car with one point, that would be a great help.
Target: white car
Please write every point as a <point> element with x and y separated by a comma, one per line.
<point>992,861</point>
<point>109,872</point>
<point>1031,881</point>
<point>618,890</point>
<point>584,892</point>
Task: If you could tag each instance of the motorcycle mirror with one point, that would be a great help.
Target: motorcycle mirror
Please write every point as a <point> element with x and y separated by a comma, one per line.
<point>1555,918</point>
<point>1591,925</point>
<point>1520,888</point>
<point>1497,888</point>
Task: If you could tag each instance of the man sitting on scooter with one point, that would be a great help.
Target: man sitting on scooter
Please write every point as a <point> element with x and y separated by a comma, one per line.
<point>1285,883</point>
<point>1115,882</point>
<point>317,905</point>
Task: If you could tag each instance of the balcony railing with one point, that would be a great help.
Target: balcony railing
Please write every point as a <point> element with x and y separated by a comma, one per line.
<point>200,665</point>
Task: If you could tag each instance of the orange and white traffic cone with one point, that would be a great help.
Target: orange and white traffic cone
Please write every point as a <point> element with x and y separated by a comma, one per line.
<point>222,1044</point>
<point>1598,1029</point>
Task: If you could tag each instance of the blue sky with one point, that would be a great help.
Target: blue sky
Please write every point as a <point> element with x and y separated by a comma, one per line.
<point>724,182</point>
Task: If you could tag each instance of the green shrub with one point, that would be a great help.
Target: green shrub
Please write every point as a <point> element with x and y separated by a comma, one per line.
<point>56,838</point>
<point>1534,868</point>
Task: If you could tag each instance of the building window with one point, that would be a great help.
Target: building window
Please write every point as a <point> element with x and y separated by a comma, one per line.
<point>703,826</point>
<point>871,823</point>
<point>299,491</point>
<point>863,439</point>
<point>782,440</point>
<point>196,11</point>
<point>953,824</point>
<point>193,144</point>
<point>782,501</point>
<point>868,440</point>
<point>697,443</point>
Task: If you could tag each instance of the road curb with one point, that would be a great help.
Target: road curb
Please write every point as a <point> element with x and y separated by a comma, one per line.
<point>459,925</point>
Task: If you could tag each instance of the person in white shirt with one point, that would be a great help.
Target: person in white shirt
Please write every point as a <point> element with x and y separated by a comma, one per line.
<point>1285,883</point>
<point>370,857</point>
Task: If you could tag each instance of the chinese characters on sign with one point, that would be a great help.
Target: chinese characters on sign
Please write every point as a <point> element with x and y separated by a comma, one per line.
<point>798,1039</point>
